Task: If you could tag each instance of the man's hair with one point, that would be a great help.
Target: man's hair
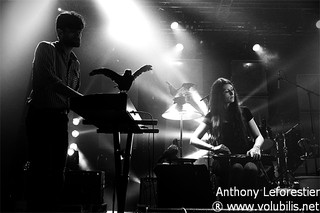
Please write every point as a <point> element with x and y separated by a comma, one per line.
<point>70,19</point>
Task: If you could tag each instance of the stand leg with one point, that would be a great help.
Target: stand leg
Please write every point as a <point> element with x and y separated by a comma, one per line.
<point>122,173</point>
<point>181,127</point>
<point>306,166</point>
<point>126,166</point>
<point>264,172</point>
<point>117,161</point>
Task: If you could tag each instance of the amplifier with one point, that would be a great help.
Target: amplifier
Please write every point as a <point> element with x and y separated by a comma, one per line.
<point>185,186</point>
<point>148,192</point>
<point>84,187</point>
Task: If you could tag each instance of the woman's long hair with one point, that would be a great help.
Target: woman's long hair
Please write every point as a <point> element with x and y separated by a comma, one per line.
<point>217,109</point>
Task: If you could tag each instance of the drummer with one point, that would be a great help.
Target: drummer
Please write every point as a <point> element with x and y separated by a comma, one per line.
<point>230,126</point>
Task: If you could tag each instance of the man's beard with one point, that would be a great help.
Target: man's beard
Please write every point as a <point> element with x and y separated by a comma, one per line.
<point>72,42</point>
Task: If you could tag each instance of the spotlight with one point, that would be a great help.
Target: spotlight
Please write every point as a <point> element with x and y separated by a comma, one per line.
<point>257,48</point>
<point>247,65</point>
<point>179,47</point>
<point>75,133</point>
<point>71,152</point>
<point>174,25</point>
<point>76,121</point>
<point>73,146</point>
<point>318,24</point>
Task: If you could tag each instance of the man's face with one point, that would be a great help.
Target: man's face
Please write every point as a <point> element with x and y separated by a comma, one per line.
<point>71,37</point>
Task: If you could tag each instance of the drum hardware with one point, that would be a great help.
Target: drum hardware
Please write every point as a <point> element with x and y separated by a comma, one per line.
<point>309,152</point>
<point>264,172</point>
<point>309,93</point>
<point>286,175</point>
<point>267,135</point>
<point>304,144</point>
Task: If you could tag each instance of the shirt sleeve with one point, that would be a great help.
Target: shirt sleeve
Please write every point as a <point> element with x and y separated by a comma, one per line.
<point>44,65</point>
<point>246,113</point>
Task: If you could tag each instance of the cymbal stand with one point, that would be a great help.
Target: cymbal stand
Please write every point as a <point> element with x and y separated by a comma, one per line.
<point>278,159</point>
<point>287,180</point>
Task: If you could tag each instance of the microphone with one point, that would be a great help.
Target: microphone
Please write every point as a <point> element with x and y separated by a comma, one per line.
<point>279,78</point>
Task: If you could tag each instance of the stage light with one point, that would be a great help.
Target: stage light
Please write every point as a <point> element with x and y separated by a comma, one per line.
<point>247,65</point>
<point>60,10</point>
<point>257,48</point>
<point>76,121</point>
<point>136,31</point>
<point>73,146</point>
<point>174,25</point>
<point>179,47</point>
<point>75,133</point>
<point>318,24</point>
<point>71,151</point>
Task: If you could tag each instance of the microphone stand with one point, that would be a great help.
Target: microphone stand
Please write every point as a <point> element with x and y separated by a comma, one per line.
<point>309,93</point>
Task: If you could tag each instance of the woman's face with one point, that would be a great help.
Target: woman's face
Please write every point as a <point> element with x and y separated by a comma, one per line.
<point>228,93</point>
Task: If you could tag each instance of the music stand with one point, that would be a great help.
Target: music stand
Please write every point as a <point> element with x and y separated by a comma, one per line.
<point>181,110</point>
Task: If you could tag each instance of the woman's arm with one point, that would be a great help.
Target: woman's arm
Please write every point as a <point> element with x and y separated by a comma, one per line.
<point>196,141</point>
<point>255,151</point>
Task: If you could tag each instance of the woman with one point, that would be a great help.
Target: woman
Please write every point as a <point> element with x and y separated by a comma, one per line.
<point>229,125</point>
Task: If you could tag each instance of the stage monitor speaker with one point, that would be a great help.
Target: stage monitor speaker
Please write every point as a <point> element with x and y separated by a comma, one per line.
<point>185,186</point>
<point>84,187</point>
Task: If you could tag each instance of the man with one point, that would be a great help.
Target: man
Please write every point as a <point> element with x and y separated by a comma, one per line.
<point>55,78</point>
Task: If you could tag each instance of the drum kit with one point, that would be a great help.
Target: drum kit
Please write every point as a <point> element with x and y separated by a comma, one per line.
<point>290,151</point>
